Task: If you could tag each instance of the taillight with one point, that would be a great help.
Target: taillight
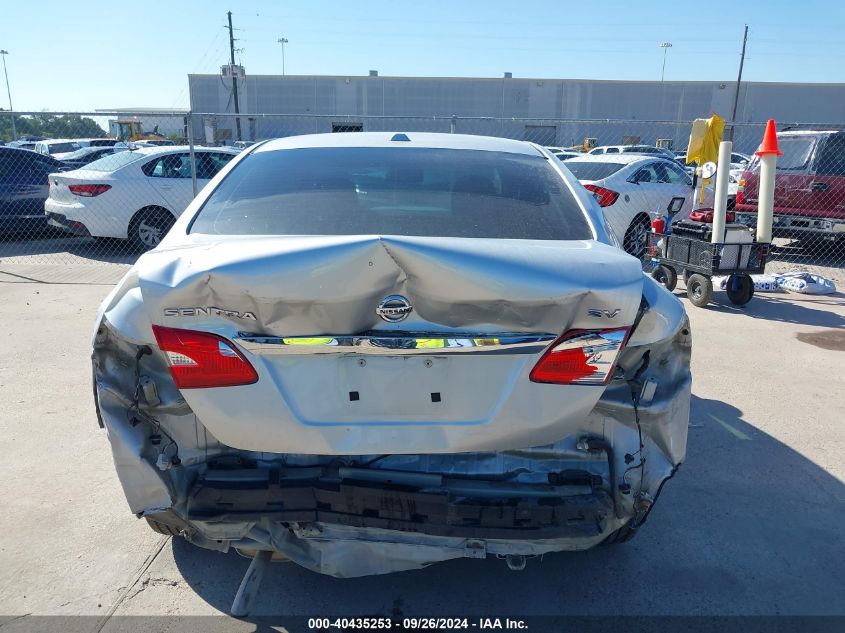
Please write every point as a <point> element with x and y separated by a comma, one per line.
<point>200,360</point>
<point>581,357</point>
<point>88,191</point>
<point>606,197</point>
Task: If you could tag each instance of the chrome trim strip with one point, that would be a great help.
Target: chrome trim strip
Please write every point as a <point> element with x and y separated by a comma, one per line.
<point>399,343</point>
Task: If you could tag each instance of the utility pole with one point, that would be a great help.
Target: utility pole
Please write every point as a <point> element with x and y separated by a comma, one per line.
<point>738,81</point>
<point>234,77</point>
<point>283,41</point>
<point>9,92</point>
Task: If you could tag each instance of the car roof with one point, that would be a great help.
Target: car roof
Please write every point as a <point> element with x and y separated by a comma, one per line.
<point>8,148</point>
<point>153,150</point>
<point>414,139</point>
<point>626,159</point>
<point>807,132</point>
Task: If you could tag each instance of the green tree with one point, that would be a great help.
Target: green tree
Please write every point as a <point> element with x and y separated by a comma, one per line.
<point>50,126</point>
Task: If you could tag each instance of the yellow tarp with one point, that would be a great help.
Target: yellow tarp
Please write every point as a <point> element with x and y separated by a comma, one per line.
<point>704,140</point>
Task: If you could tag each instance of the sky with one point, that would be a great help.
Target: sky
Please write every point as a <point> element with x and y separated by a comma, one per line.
<point>83,55</point>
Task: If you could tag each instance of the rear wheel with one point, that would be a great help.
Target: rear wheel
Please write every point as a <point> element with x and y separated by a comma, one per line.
<point>699,290</point>
<point>665,276</point>
<point>148,227</point>
<point>635,241</point>
<point>740,289</point>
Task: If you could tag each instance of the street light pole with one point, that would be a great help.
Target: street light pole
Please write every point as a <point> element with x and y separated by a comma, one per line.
<point>665,46</point>
<point>9,92</point>
<point>283,41</point>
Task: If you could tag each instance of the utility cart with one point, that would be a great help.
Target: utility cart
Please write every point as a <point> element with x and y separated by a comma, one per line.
<point>687,245</point>
<point>700,260</point>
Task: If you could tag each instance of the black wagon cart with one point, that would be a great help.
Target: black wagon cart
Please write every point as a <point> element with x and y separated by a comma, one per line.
<point>699,260</point>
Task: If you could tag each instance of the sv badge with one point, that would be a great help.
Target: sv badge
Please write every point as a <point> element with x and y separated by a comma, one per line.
<point>610,314</point>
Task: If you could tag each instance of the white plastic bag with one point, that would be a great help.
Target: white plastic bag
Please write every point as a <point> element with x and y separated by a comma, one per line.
<point>806,283</point>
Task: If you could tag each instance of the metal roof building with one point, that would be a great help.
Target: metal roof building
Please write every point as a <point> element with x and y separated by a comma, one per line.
<point>549,111</point>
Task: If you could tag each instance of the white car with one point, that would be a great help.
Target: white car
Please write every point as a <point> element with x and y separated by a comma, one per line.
<point>55,147</point>
<point>632,149</point>
<point>135,195</point>
<point>739,161</point>
<point>734,176</point>
<point>561,153</point>
<point>631,188</point>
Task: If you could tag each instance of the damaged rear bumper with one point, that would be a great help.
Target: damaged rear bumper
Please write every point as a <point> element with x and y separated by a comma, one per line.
<point>470,509</point>
<point>358,528</point>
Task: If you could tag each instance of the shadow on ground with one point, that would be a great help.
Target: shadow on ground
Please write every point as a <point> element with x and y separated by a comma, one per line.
<point>787,308</point>
<point>743,520</point>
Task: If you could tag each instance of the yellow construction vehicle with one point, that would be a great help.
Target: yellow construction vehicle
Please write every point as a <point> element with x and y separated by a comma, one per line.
<point>129,130</point>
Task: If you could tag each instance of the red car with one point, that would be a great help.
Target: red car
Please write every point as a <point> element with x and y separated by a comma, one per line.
<point>809,186</point>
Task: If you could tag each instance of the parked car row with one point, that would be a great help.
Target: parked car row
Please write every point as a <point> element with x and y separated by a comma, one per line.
<point>133,195</point>
<point>110,192</point>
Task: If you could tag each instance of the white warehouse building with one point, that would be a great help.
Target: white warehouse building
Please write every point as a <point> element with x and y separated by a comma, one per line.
<point>558,112</point>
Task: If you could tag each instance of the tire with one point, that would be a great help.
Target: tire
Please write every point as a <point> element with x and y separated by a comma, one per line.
<point>635,241</point>
<point>740,289</point>
<point>699,290</point>
<point>665,276</point>
<point>162,528</point>
<point>148,227</point>
<point>622,535</point>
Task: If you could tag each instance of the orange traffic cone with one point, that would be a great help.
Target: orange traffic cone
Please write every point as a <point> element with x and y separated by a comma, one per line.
<point>770,141</point>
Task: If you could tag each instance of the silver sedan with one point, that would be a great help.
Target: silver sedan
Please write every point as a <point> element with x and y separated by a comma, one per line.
<point>371,352</point>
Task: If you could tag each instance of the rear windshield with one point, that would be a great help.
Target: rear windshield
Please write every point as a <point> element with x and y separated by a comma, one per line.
<point>394,191</point>
<point>112,162</point>
<point>60,148</point>
<point>589,170</point>
<point>85,152</point>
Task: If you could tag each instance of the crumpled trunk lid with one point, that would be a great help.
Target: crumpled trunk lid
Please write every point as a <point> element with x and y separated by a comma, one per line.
<point>395,401</point>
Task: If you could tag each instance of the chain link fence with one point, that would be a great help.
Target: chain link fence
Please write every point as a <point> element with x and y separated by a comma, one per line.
<point>102,187</point>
